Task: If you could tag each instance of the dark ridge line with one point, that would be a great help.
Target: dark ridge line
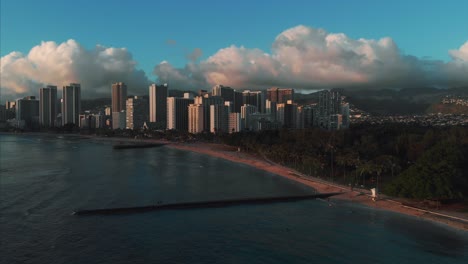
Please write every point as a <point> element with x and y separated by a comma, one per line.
<point>202,204</point>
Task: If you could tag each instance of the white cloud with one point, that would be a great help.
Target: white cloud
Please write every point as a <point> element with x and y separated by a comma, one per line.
<point>300,57</point>
<point>308,58</point>
<point>460,54</point>
<point>60,64</point>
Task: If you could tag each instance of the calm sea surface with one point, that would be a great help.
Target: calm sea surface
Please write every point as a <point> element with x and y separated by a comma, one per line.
<point>45,178</point>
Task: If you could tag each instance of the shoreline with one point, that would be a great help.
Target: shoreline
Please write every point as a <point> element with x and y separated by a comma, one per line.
<point>230,153</point>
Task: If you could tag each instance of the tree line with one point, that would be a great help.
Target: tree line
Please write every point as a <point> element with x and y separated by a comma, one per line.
<point>399,160</point>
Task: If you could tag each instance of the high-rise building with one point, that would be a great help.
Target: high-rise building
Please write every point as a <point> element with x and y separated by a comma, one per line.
<point>308,113</point>
<point>286,114</point>
<point>256,98</point>
<point>27,112</point>
<point>177,113</point>
<point>208,101</point>
<point>71,104</point>
<point>230,106</point>
<point>270,108</point>
<point>345,115</point>
<point>246,111</point>
<point>48,106</point>
<point>238,101</point>
<point>137,112</point>
<point>119,96</point>
<point>329,104</point>
<point>119,120</point>
<point>227,93</point>
<point>158,104</point>
<point>279,95</point>
<point>195,118</point>
<point>235,122</point>
<point>219,119</point>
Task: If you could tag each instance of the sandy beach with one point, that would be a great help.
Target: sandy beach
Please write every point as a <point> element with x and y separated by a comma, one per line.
<point>459,221</point>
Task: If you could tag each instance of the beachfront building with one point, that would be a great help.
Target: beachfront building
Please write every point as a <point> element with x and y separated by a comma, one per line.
<point>48,106</point>
<point>71,104</point>
<point>208,101</point>
<point>119,96</point>
<point>119,120</point>
<point>136,112</point>
<point>177,113</point>
<point>27,112</point>
<point>158,104</point>
<point>195,118</point>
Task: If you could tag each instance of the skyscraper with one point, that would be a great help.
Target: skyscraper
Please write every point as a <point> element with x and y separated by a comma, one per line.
<point>219,119</point>
<point>246,111</point>
<point>27,112</point>
<point>158,104</point>
<point>71,104</point>
<point>48,106</point>
<point>119,96</point>
<point>235,122</point>
<point>195,118</point>
<point>286,114</point>
<point>255,98</point>
<point>329,104</point>
<point>177,113</point>
<point>279,95</point>
<point>207,101</point>
<point>227,93</point>
<point>136,113</point>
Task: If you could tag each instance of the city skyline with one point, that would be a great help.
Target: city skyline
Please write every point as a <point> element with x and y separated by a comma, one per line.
<point>308,50</point>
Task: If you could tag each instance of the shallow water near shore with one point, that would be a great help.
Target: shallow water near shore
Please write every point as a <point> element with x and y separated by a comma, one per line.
<point>45,178</point>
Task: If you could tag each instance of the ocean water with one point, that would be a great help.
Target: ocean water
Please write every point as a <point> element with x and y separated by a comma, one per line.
<point>45,178</point>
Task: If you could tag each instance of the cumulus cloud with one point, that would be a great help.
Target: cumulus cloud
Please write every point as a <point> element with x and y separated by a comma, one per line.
<point>60,64</point>
<point>308,58</point>
<point>456,71</point>
<point>460,54</point>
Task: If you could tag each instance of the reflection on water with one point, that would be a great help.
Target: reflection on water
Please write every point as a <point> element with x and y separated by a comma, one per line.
<point>43,179</point>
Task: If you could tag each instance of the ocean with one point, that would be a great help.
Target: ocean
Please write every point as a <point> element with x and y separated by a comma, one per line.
<point>44,178</point>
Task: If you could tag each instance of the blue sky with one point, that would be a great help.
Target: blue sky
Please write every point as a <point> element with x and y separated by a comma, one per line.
<point>425,29</point>
<point>420,28</point>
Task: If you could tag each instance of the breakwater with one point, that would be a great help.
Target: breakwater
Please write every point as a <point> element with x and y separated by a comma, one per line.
<point>137,145</point>
<point>203,204</point>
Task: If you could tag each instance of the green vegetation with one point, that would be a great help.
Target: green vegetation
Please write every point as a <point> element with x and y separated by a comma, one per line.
<point>401,160</point>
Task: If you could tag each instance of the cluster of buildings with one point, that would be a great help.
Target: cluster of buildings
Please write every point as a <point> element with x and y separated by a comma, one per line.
<point>221,110</point>
<point>29,112</point>
<point>457,100</point>
<point>433,120</point>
